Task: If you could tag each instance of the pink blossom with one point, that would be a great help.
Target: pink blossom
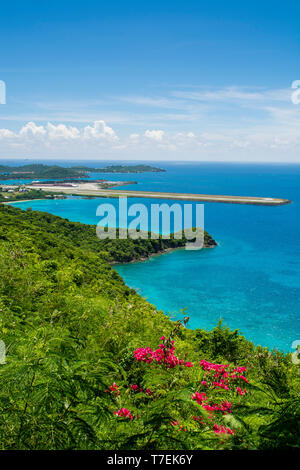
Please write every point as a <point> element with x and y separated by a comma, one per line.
<point>222,430</point>
<point>123,412</point>
<point>199,397</point>
<point>162,355</point>
<point>113,388</point>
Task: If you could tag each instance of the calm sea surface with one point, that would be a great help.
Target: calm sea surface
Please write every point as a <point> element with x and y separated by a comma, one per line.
<point>251,280</point>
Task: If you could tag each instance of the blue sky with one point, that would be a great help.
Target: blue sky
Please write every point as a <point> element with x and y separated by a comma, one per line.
<point>153,80</point>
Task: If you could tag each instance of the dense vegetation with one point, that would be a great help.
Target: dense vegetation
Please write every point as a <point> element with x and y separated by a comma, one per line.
<point>38,170</point>
<point>30,194</point>
<point>92,365</point>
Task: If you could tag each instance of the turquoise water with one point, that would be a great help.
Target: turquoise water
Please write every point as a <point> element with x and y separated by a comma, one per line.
<point>251,280</point>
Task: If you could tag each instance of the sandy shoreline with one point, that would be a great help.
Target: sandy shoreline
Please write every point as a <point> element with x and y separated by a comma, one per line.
<point>27,200</point>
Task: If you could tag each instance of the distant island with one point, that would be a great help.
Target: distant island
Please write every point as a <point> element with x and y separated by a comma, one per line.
<point>124,169</point>
<point>34,171</point>
<point>40,171</point>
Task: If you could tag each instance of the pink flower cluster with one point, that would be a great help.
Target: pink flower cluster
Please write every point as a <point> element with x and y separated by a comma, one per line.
<point>201,399</point>
<point>114,389</point>
<point>208,366</point>
<point>225,407</point>
<point>124,413</point>
<point>222,430</point>
<point>137,388</point>
<point>219,376</point>
<point>240,369</point>
<point>222,376</point>
<point>162,355</point>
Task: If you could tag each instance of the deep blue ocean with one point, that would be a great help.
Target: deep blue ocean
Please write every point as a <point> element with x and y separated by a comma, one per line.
<point>251,280</point>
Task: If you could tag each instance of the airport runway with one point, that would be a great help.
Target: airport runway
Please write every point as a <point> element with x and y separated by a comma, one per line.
<point>261,201</point>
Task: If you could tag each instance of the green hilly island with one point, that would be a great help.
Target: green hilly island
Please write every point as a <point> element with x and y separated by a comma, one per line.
<point>38,170</point>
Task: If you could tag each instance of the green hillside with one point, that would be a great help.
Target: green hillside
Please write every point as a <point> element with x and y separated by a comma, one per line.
<point>37,170</point>
<point>91,365</point>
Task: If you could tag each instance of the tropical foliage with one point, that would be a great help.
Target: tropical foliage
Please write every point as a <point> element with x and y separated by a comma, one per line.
<point>28,195</point>
<point>92,365</point>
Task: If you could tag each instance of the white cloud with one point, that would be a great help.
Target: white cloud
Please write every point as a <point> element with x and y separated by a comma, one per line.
<point>61,131</point>
<point>99,131</point>
<point>235,123</point>
<point>231,143</point>
<point>32,130</point>
<point>6,134</point>
<point>59,137</point>
<point>155,135</point>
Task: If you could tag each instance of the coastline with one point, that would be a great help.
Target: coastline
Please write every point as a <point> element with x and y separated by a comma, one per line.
<point>143,259</point>
<point>26,200</point>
